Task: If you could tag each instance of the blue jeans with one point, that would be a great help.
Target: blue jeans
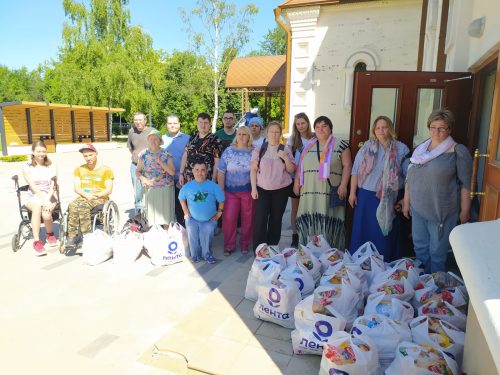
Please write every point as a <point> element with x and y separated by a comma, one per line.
<point>137,187</point>
<point>200,236</point>
<point>431,243</point>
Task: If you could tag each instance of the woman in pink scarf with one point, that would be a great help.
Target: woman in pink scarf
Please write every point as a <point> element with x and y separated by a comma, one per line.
<point>376,180</point>
<point>437,191</point>
<point>325,161</point>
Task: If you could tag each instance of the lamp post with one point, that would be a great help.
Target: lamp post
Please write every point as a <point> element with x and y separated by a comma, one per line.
<point>149,86</point>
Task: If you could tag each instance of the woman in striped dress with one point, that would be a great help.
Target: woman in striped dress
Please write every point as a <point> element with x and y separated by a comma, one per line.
<point>325,161</point>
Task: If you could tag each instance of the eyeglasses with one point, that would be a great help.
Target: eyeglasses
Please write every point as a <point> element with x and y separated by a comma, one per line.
<point>439,130</point>
<point>228,118</point>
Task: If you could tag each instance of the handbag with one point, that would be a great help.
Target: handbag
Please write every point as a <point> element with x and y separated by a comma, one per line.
<point>335,200</point>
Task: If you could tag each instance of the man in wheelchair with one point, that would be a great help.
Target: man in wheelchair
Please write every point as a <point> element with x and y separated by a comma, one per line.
<point>93,183</point>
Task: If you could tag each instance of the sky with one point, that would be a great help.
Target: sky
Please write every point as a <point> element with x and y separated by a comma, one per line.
<point>31,29</point>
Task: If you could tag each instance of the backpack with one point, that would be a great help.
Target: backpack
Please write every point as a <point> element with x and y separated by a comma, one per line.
<point>263,149</point>
<point>136,223</point>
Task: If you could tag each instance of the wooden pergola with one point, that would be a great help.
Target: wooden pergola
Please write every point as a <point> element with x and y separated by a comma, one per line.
<point>257,74</point>
<point>22,123</point>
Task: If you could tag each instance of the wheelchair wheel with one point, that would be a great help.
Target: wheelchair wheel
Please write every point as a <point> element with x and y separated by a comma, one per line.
<point>15,242</point>
<point>111,218</point>
<point>63,235</point>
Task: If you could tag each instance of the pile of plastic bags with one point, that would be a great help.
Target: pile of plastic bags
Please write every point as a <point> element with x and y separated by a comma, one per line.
<point>164,247</point>
<point>362,315</point>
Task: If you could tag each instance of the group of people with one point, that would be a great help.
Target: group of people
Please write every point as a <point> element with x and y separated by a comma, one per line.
<point>242,178</point>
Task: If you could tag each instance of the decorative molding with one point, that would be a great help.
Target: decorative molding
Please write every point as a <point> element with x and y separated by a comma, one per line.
<point>365,55</point>
<point>371,60</point>
<point>303,14</point>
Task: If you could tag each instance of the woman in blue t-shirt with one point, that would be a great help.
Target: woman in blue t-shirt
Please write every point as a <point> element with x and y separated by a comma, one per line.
<point>234,180</point>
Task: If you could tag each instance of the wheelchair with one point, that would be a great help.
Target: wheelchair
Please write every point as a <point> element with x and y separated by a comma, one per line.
<point>105,217</point>
<point>24,231</point>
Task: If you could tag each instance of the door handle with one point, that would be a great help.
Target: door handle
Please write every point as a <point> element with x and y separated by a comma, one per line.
<point>360,144</point>
<point>473,184</point>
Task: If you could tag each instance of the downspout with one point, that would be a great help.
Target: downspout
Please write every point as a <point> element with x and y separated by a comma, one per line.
<point>277,16</point>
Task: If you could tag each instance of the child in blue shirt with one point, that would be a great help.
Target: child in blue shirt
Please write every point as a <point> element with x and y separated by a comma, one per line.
<point>202,201</point>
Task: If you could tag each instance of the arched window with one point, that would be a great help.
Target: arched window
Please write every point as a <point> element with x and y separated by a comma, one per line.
<point>360,67</point>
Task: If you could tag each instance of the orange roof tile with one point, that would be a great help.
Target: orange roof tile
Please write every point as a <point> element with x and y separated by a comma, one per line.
<point>257,72</point>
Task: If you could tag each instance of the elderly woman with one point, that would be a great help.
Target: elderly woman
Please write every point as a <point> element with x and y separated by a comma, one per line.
<point>325,164</point>
<point>39,174</point>
<point>202,146</point>
<point>376,179</point>
<point>301,135</point>
<point>437,191</point>
<point>233,178</point>
<point>271,182</point>
<point>256,125</point>
<point>155,170</point>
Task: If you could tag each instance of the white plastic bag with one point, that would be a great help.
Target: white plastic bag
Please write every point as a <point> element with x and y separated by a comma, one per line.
<point>318,245</point>
<point>176,244</point>
<point>439,334</point>
<point>127,247</point>
<point>370,260</point>
<point>313,330</point>
<point>311,263</point>
<point>396,309</point>
<point>97,247</point>
<point>444,311</point>
<point>342,298</point>
<point>400,289</point>
<point>349,355</point>
<point>299,274</point>
<point>384,332</point>
<point>440,286</point>
<point>352,272</point>
<point>397,273</point>
<point>268,252</point>
<point>276,302</point>
<point>415,359</point>
<point>332,256</point>
<point>155,242</point>
<point>261,271</point>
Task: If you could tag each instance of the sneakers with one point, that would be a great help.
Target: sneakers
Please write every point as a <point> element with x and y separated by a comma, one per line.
<point>38,248</point>
<point>51,239</point>
<point>210,259</point>
<point>195,259</point>
<point>227,252</point>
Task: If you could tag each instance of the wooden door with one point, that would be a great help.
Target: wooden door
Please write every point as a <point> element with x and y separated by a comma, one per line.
<point>408,98</point>
<point>490,201</point>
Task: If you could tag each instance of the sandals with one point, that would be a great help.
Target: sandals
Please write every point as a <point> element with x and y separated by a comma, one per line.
<point>227,252</point>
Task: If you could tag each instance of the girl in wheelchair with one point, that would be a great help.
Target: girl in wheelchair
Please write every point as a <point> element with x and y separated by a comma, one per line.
<point>39,174</point>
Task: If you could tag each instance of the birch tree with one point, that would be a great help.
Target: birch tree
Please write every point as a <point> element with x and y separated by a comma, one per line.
<point>218,30</point>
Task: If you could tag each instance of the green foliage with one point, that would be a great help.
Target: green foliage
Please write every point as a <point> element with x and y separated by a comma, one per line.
<point>13,158</point>
<point>273,43</point>
<point>227,30</point>
<point>188,88</point>
<point>105,61</point>
<point>19,84</point>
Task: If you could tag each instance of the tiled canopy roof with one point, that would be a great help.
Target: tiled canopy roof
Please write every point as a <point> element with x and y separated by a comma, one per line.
<point>257,72</point>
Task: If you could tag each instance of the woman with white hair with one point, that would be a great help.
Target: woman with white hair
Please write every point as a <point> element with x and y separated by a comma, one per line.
<point>155,170</point>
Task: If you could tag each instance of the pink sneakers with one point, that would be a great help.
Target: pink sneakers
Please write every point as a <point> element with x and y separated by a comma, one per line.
<point>51,239</point>
<point>38,248</point>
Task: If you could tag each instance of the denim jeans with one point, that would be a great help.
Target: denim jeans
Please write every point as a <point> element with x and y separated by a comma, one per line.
<point>137,187</point>
<point>431,242</point>
<point>200,236</point>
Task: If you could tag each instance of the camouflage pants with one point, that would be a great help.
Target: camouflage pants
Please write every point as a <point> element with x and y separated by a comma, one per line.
<point>79,215</point>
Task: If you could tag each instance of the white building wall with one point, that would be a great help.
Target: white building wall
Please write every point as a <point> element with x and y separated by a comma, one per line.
<point>463,50</point>
<point>383,34</point>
